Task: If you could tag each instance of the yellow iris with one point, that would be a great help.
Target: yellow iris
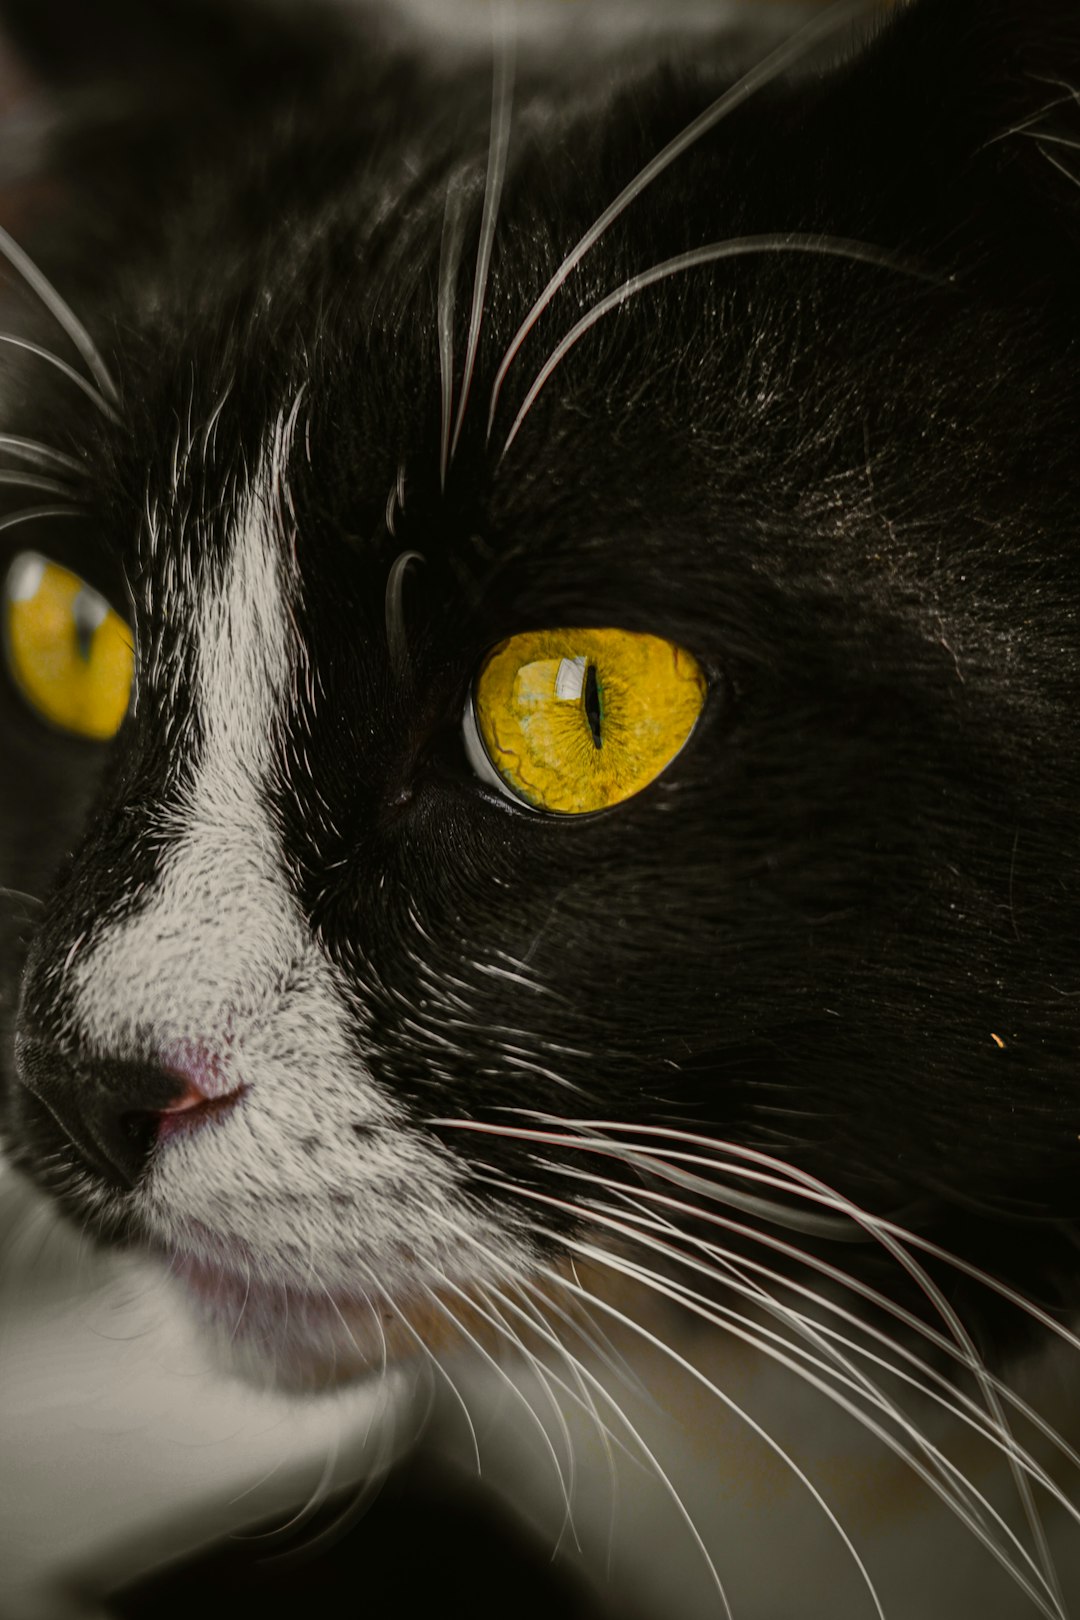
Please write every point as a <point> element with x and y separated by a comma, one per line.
<point>69,654</point>
<point>577,720</point>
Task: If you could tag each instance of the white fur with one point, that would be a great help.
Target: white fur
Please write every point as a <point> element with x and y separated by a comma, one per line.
<point>218,955</point>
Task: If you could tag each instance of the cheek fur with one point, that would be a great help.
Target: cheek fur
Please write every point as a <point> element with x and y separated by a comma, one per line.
<point>779,1053</point>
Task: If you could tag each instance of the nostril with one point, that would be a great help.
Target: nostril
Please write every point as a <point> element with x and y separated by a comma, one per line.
<point>191,1110</point>
<point>111,1112</point>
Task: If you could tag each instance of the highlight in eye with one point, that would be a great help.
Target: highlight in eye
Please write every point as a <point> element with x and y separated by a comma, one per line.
<point>69,654</point>
<point>571,721</point>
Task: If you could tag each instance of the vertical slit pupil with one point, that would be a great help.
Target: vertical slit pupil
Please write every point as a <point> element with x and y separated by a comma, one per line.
<point>86,616</point>
<point>593,711</point>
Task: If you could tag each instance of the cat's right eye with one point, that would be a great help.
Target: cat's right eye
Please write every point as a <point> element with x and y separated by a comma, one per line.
<point>69,655</point>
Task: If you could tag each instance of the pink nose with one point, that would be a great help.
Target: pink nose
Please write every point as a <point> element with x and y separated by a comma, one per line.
<point>192,1098</point>
<point>192,1110</point>
<point>208,1090</point>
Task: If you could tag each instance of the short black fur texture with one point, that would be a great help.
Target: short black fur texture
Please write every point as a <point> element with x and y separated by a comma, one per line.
<point>842,927</point>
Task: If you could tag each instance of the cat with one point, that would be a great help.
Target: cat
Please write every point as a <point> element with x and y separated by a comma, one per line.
<point>541,775</point>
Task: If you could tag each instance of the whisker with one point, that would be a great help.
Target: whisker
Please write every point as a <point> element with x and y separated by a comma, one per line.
<point>531,1314</point>
<point>769,68</point>
<point>893,1239</point>
<point>973,1417</point>
<point>1042,135</point>
<point>725,1400</point>
<point>444,1373</point>
<point>43,454</point>
<point>862,1325</point>
<point>1025,124</point>
<point>834,247</point>
<point>809,1186</point>
<point>651,1458</point>
<point>460,1327</point>
<point>28,480</point>
<point>28,514</point>
<point>92,393</point>
<point>397,640</point>
<point>1056,163</point>
<point>20,894</point>
<point>502,90</point>
<point>453,241</point>
<point>1002,1289</point>
<point>825,1226</point>
<point>61,311</point>
<point>687,1299</point>
<point>538,1322</point>
<point>314,1501</point>
<point>546,1378</point>
<point>815,1189</point>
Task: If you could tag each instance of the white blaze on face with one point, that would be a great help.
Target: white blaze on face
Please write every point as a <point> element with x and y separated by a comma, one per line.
<point>218,956</point>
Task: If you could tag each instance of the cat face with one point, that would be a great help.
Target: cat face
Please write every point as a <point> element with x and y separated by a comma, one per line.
<point>339,984</point>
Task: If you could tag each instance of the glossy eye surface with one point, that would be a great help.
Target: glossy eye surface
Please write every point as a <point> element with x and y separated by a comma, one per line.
<point>572,721</point>
<point>69,654</point>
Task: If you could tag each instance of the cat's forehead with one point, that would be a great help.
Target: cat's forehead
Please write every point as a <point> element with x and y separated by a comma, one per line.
<point>489,359</point>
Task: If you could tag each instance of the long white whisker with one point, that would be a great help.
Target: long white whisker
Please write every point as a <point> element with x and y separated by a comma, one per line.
<point>833,247</point>
<point>1041,135</point>
<point>953,1400</point>
<point>686,1298</point>
<point>62,312</point>
<point>540,1324</point>
<point>1057,164</point>
<point>444,1373</point>
<point>808,1186</point>
<point>314,1501</point>
<point>726,1400</point>
<point>649,1163</point>
<point>496,1367</point>
<point>842,1230</point>
<point>1033,118</point>
<point>973,1416</point>
<point>42,454</point>
<point>453,241</point>
<point>893,1240</point>
<point>769,68</point>
<point>28,514</point>
<point>103,404</point>
<point>545,1378</point>
<point>21,894</point>
<point>652,1459</point>
<point>533,1316</point>
<point>605,1351</point>
<point>538,1321</point>
<point>842,1279</point>
<point>998,1424</point>
<point>502,91</point>
<point>622,1417</point>
<point>37,481</point>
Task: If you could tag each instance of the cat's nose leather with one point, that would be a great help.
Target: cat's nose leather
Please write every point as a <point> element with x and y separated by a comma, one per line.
<point>109,1111</point>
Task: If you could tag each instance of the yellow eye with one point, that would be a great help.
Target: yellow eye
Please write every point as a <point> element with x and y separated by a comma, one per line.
<point>576,720</point>
<point>69,654</point>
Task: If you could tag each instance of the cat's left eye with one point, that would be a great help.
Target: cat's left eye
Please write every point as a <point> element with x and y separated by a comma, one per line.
<point>574,721</point>
<point>69,654</point>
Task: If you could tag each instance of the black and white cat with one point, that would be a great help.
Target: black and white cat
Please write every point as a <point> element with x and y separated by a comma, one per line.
<point>542,675</point>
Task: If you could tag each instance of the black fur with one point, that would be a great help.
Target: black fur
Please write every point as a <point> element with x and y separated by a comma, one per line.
<point>850,489</point>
